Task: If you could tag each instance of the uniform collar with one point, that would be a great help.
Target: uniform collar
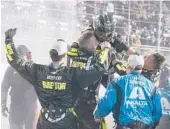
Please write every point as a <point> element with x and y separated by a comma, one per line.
<point>56,66</point>
<point>135,73</point>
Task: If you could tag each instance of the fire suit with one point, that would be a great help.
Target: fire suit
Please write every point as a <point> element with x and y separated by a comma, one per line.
<point>78,57</point>
<point>153,76</point>
<point>54,88</point>
<point>23,100</point>
<point>139,108</point>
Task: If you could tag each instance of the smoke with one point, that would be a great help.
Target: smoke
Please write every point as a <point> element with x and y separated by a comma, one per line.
<point>38,24</point>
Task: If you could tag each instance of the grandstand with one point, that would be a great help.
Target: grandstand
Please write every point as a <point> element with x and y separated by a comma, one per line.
<point>144,24</point>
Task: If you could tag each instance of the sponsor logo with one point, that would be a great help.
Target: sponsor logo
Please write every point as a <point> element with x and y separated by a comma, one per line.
<point>54,85</point>
<point>137,93</point>
<point>49,77</point>
<point>136,97</point>
<point>78,64</point>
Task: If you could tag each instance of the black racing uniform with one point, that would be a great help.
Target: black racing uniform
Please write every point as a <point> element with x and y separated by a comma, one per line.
<point>117,48</point>
<point>154,76</point>
<point>54,88</point>
<point>85,105</point>
<point>23,100</point>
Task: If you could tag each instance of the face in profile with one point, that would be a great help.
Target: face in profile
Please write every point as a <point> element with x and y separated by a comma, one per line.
<point>149,62</point>
<point>154,61</point>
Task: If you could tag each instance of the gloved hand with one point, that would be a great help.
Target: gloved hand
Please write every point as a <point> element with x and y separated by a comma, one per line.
<point>105,45</point>
<point>4,111</point>
<point>131,51</point>
<point>119,45</point>
<point>9,34</point>
<point>119,68</point>
<point>98,120</point>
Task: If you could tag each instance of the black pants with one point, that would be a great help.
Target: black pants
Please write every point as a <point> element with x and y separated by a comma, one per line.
<point>68,122</point>
<point>21,115</point>
<point>134,125</point>
<point>85,114</point>
<point>164,123</point>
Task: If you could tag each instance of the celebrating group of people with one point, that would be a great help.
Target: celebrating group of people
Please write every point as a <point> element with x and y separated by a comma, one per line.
<point>68,91</point>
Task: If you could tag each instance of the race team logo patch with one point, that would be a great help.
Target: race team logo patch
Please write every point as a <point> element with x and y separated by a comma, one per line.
<point>136,98</point>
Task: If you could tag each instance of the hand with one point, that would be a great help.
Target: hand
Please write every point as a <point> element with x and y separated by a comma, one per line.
<point>97,98</point>
<point>116,42</point>
<point>98,120</point>
<point>119,45</point>
<point>130,51</point>
<point>4,111</point>
<point>105,45</point>
<point>9,34</point>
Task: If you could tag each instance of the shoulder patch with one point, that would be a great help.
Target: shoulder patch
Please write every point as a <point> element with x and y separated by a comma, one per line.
<point>72,52</point>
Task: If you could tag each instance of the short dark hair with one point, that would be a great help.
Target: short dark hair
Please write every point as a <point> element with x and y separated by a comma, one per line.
<point>139,67</point>
<point>54,55</point>
<point>61,40</point>
<point>159,60</point>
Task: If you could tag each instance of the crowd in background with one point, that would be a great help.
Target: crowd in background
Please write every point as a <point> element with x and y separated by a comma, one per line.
<point>146,20</point>
<point>149,20</point>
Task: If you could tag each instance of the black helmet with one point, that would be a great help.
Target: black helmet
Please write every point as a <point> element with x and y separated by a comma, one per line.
<point>103,28</point>
<point>22,50</point>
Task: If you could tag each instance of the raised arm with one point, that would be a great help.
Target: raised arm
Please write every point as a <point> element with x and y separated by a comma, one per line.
<point>26,69</point>
<point>91,73</point>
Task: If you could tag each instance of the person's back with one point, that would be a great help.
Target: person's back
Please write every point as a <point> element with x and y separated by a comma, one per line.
<point>54,87</point>
<point>85,104</point>
<point>132,98</point>
<point>54,90</point>
<point>136,99</point>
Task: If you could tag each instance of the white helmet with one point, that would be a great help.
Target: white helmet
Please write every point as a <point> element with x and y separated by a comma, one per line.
<point>59,48</point>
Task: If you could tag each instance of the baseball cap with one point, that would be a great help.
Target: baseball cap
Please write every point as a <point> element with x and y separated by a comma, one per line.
<point>60,46</point>
<point>135,60</point>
